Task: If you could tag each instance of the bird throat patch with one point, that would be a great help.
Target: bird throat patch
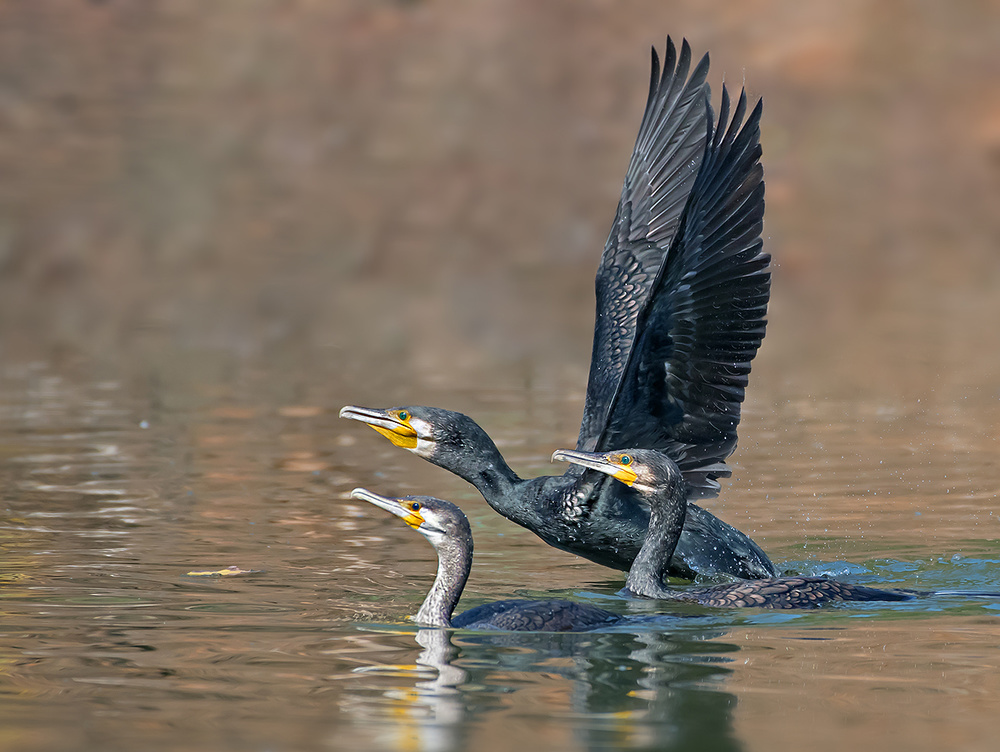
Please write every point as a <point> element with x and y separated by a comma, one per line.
<point>401,436</point>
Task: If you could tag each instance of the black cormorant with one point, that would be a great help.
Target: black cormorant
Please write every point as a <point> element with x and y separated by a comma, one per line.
<point>660,483</point>
<point>682,290</point>
<point>447,529</point>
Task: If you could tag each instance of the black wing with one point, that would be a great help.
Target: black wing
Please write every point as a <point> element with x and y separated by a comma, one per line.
<point>790,592</point>
<point>687,374</point>
<point>665,161</point>
<point>535,616</point>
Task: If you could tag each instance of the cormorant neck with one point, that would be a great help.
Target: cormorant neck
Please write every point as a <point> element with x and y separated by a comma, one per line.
<point>481,464</point>
<point>454,563</point>
<point>645,578</point>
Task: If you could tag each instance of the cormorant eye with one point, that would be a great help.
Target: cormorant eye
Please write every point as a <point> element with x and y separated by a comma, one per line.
<point>415,506</point>
<point>625,460</point>
<point>403,415</point>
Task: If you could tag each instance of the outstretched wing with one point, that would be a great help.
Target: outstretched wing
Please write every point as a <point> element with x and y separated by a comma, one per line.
<point>686,378</point>
<point>668,152</point>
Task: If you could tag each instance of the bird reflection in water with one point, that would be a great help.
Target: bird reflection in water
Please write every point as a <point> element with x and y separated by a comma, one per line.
<point>606,690</point>
<point>429,714</point>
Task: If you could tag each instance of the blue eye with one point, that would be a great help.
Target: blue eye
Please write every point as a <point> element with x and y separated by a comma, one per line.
<point>415,506</point>
<point>403,415</point>
<point>625,460</point>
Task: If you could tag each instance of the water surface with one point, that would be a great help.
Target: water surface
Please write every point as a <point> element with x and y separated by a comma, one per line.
<point>220,222</point>
<point>116,490</point>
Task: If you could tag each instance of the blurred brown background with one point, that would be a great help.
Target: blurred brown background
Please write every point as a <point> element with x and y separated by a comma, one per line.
<point>427,183</point>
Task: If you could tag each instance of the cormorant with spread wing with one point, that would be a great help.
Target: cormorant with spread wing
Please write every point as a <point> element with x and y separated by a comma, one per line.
<point>682,291</point>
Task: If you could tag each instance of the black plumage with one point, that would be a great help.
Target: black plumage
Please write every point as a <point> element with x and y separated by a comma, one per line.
<point>682,292</point>
<point>660,483</point>
<point>447,529</point>
<point>786,592</point>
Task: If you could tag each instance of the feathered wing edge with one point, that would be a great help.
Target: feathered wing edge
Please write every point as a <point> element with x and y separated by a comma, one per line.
<point>687,374</point>
<point>668,149</point>
<point>663,166</point>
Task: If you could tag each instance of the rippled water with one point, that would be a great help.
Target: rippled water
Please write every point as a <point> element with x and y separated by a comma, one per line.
<point>220,222</point>
<point>116,490</point>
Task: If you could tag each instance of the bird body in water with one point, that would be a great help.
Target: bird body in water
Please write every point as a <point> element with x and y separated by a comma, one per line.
<point>660,483</point>
<point>682,291</point>
<point>447,529</point>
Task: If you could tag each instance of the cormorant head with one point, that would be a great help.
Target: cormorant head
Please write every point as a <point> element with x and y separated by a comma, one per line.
<point>437,520</point>
<point>653,474</point>
<point>444,437</point>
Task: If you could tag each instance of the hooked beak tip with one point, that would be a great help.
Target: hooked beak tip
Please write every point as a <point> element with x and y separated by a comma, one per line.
<point>561,455</point>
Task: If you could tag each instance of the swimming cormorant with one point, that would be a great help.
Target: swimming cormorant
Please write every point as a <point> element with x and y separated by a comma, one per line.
<point>659,482</point>
<point>447,529</point>
<point>682,290</point>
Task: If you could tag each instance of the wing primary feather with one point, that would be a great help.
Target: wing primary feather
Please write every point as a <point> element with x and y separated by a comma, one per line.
<point>703,320</point>
<point>662,168</point>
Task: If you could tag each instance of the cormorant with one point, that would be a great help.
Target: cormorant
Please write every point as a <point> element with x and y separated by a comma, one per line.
<point>447,529</point>
<point>660,483</point>
<point>682,290</point>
